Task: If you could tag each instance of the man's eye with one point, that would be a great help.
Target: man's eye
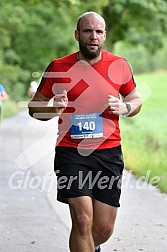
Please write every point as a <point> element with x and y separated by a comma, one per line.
<point>99,31</point>
<point>87,30</point>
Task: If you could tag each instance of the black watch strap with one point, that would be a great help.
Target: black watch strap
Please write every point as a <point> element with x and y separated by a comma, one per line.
<point>128,108</point>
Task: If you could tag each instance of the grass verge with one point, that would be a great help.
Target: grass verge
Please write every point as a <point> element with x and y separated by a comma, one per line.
<point>144,137</point>
<point>9,108</point>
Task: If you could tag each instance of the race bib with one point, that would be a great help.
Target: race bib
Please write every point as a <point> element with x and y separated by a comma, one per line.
<point>86,126</point>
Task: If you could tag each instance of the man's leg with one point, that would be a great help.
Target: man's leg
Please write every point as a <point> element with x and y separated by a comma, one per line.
<point>104,217</point>
<point>81,239</point>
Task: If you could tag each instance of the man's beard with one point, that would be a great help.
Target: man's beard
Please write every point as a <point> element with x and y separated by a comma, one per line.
<point>89,54</point>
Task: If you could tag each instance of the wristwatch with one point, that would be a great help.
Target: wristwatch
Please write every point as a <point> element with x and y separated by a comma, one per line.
<point>128,108</point>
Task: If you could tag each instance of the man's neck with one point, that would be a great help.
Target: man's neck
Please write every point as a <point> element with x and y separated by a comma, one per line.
<point>90,61</point>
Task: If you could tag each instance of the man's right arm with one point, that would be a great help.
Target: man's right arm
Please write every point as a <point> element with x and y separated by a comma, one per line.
<point>40,109</point>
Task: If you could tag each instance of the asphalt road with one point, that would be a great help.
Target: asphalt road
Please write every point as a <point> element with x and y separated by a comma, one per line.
<point>31,220</point>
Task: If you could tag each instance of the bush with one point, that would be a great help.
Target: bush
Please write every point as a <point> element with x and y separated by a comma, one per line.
<point>139,57</point>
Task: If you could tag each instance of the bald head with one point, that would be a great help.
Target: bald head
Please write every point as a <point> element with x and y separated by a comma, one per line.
<point>90,34</point>
<point>90,14</point>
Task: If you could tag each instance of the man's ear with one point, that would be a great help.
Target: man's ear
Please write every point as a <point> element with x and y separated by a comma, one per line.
<point>76,35</point>
<point>105,36</point>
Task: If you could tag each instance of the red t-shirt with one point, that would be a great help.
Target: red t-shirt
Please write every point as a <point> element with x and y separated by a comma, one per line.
<point>86,123</point>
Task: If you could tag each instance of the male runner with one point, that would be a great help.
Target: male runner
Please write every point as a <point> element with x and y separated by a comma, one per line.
<point>87,87</point>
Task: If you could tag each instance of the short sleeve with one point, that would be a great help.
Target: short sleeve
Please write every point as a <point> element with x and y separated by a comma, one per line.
<point>129,85</point>
<point>47,81</point>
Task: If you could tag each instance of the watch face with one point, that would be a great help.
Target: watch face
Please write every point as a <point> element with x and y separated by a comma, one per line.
<point>128,107</point>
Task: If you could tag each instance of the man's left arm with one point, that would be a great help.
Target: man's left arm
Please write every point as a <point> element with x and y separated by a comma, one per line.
<point>129,106</point>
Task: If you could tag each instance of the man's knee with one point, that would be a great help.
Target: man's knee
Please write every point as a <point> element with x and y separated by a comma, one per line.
<point>81,214</point>
<point>103,232</point>
<point>82,222</point>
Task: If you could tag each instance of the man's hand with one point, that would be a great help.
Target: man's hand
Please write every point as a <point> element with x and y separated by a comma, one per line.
<point>115,106</point>
<point>60,102</point>
<point>39,106</point>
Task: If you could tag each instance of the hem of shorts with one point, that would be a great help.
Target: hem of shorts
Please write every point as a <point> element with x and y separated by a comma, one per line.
<point>65,200</point>
<point>109,204</point>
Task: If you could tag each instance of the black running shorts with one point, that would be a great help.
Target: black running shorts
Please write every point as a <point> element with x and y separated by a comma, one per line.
<point>97,175</point>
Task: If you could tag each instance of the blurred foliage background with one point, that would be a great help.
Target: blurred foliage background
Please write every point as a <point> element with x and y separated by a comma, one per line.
<point>33,32</point>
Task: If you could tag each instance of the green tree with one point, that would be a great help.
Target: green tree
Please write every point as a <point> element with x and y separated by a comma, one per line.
<point>137,22</point>
<point>32,34</point>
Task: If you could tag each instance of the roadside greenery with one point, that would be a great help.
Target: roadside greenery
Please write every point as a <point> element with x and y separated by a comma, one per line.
<point>140,58</point>
<point>145,135</point>
<point>9,108</point>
